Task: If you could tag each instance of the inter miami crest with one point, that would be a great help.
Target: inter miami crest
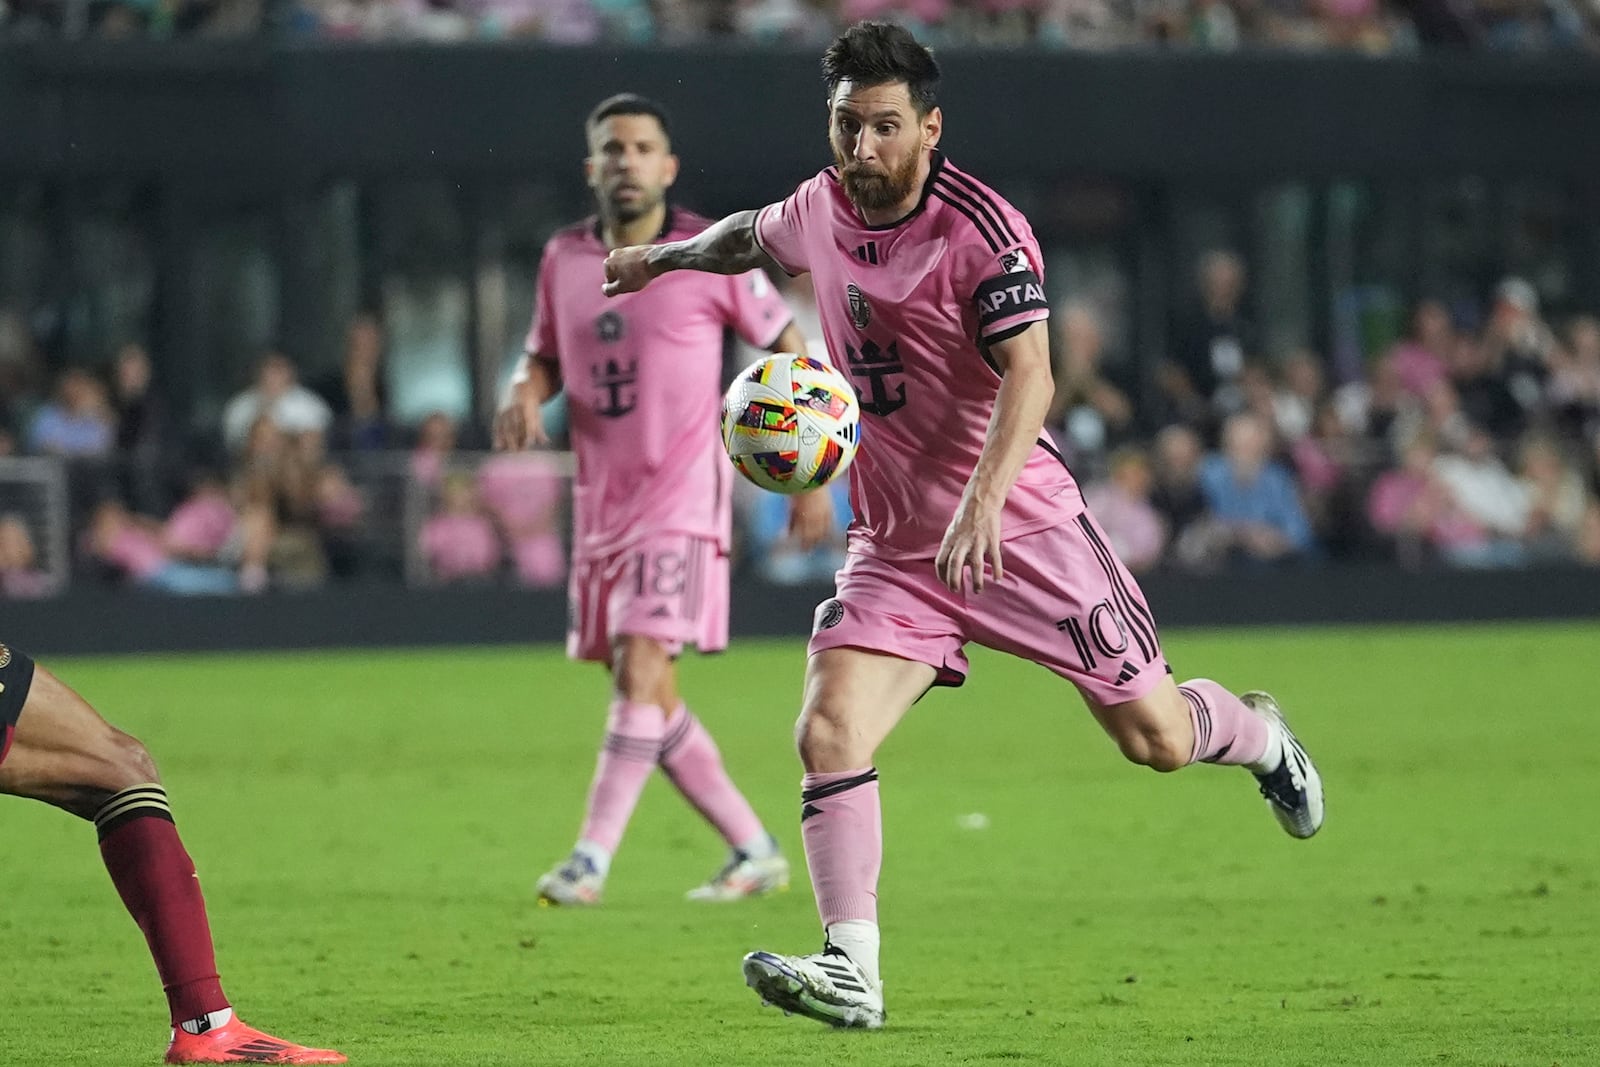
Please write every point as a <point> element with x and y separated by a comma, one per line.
<point>860,310</point>
<point>5,656</point>
<point>830,613</point>
<point>608,327</point>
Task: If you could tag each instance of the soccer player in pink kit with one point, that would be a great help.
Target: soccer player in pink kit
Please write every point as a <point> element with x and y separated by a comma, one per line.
<point>652,504</point>
<point>931,296</point>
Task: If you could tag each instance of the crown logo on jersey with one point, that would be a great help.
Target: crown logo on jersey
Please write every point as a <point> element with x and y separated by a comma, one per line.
<point>860,310</point>
<point>875,365</point>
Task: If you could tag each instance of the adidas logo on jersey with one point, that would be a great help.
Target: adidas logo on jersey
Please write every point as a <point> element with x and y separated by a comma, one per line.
<point>867,253</point>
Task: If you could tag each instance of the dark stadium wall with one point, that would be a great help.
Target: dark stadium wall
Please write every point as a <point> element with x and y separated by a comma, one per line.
<point>264,113</point>
<point>111,622</point>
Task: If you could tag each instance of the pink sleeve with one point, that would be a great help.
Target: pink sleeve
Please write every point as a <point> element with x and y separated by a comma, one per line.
<point>541,340</point>
<point>756,312</point>
<point>779,229</point>
<point>1007,287</point>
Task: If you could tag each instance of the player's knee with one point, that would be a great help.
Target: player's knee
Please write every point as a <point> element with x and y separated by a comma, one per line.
<point>640,669</point>
<point>826,742</point>
<point>134,764</point>
<point>120,761</point>
<point>116,762</point>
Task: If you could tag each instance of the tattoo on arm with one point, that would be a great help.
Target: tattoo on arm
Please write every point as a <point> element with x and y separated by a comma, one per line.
<point>727,247</point>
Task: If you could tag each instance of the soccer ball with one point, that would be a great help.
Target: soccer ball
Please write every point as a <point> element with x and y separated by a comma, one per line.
<point>789,423</point>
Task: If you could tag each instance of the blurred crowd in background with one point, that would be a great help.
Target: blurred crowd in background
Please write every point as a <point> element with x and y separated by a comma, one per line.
<point>1376,27</point>
<point>1473,441</point>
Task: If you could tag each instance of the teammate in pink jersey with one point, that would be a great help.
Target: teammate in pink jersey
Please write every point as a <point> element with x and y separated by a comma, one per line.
<point>652,505</point>
<point>931,292</point>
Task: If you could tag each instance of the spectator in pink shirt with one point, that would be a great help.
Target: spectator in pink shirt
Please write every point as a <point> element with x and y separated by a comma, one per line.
<point>436,441</point>
<point>206,529</point>
<point>1422,360</point>
<point>1122,504</point>
<point>132,546</point>
<point>20,579</point>
<point>460,543</point>
<point>524,492</point>
<point>200,528</point>
<point>1412,507</point>
<point>1323,456</point>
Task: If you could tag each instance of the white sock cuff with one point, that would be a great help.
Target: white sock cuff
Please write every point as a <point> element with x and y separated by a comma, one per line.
<point>759,847</point>
<point>859,939</point>
<point>1272,758</point>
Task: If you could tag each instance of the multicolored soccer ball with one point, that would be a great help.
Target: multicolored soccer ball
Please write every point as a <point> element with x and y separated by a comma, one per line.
<point>789,423</point>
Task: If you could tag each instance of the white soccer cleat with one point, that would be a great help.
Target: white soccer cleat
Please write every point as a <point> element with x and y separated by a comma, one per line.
<point>828,987</point>
<point>575,883</point>
<point>1294,789</point>
<point>744,876</point>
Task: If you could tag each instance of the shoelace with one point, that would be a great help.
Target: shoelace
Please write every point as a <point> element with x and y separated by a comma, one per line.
<point>575,869</point>
<point>1285,785</point>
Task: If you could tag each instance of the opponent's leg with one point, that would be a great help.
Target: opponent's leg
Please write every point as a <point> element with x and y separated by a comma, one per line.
<point>1199,721</point>
<point>853,699</point>
<point>65,754</point>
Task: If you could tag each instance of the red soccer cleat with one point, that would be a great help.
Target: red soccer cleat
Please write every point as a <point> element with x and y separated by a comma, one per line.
<point>234,1042</point>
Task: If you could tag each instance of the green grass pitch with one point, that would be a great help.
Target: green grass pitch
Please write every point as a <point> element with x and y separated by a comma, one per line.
<point>368,826</point>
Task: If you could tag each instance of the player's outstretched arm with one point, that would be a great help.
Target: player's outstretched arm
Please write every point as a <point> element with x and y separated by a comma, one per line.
<point>520,420</point>
<point>726,247</point>
<point>1019,410</point>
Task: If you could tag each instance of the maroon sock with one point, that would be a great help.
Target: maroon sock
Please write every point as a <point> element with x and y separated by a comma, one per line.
<point>156,880</point>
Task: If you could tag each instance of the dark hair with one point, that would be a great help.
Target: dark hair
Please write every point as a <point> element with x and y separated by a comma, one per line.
<point>880,53</point>
<point>629,104</point>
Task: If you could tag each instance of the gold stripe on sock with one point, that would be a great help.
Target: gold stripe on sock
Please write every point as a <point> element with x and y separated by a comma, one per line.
<point>148,795</point>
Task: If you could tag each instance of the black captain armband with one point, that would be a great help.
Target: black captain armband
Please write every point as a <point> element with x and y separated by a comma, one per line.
<point>1006,295</point>
<point>16,678</point>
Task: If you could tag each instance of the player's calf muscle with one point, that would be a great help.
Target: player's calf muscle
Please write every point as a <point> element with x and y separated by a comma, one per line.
<point>1153,731</point>
<point>1160,751</point>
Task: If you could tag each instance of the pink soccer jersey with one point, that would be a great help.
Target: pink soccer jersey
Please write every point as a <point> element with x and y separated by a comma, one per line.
<point>643,378</point>
<point>908,310</point>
